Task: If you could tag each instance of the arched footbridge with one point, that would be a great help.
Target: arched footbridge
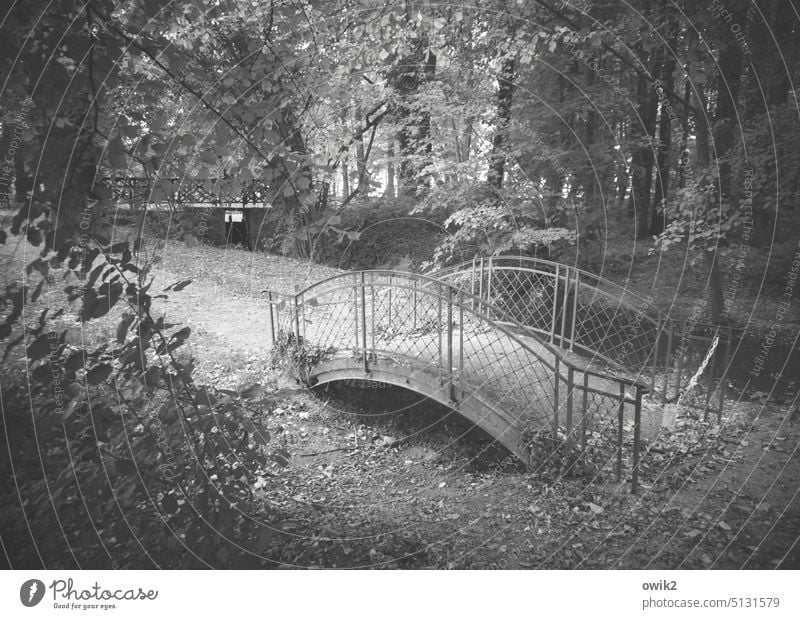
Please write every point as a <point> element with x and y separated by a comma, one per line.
<point>432,336</point>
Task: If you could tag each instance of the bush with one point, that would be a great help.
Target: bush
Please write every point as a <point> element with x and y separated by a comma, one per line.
<point>113,441</point>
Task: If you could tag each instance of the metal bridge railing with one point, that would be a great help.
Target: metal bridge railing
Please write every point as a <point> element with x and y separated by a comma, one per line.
<point>583,312</point>
<point>473,351</point>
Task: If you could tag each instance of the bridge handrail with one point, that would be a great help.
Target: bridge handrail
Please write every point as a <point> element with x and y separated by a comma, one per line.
<point>498,318</point>
<point>526,260</point>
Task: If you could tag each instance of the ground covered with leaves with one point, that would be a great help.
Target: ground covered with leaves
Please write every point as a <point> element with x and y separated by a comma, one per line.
<point>380,477</point>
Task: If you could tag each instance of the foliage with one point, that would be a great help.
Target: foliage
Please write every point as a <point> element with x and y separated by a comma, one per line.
<point>126,429</point>
<point>487,222</point>
<point>297,358</point>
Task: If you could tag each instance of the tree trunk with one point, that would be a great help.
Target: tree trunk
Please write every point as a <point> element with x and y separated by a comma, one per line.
<point>589,180</point>
<point>389,193</point>
<point>413,141</point>
<point>774,78</point>
<point>714,281</point>
<point>466,139</point>
<point>361,160</point>
<point>725,121</point>
<point>424,136</point>
<point>505,90</point>
<point>622,170</point>
<point>345,180</point>
<point>783,21</point>
<point>642,160</point>
<point>683,156</point>
<point>658,220</point>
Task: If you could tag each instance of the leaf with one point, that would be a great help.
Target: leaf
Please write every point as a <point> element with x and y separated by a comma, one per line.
<point>117,248</point>
<point>34,236</point>
<point>262,437</point>
<point>596,509</point>
<point>39,348</point>
<point>99,374</point>
<point>116,154</point>
<point>153,376</point>
<point>264,538</point>
<point>73,406</point>
<point>175,341</point>
<point>126,467</point>
<point>280,456</point>
<point>74,362</point>
<point>37,291</point>
<point>724,525</point>
<point>178,286</point>
<point>124,325</point>
<point>169,504</point>
<point>251,392</point>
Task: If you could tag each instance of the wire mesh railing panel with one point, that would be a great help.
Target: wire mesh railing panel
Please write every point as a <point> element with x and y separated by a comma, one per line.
<point>528,296</point>
<point>617,332</point>
<point>330,318</point>
<point>572,308</point>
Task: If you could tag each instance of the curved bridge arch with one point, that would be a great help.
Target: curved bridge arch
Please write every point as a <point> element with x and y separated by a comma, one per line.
<point>438,340</point>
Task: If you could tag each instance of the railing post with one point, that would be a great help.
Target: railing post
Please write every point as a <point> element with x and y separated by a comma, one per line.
<point>415,305</point>
<point>480,282</point>
<point>461,345</point>
<point>390,301</point>
<point>564,304</point>
<point>555,398</point>
<point>271,317</point>
<point>680,361</point>
<point>574,309</point>
<point>439,331</point>
<point>655,355</point>
<point>355,310</point>
<point>711,368</point>
<point>555,306</point>
<point>472,282</point>
<point>570,388</point>
<point>296,319</point>
<point>372,297</point>
<point>364,324</point>
<point>668,361</point>
<point>585,413</point>
<point>723,382</point>
<point>620,427</point>
<point>637,435</point>
<point>302,326</point>
<point>489,283</point>
<point>450,393</point>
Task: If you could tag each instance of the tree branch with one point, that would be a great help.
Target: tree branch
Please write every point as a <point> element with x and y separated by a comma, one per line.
<point>635,65</point>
